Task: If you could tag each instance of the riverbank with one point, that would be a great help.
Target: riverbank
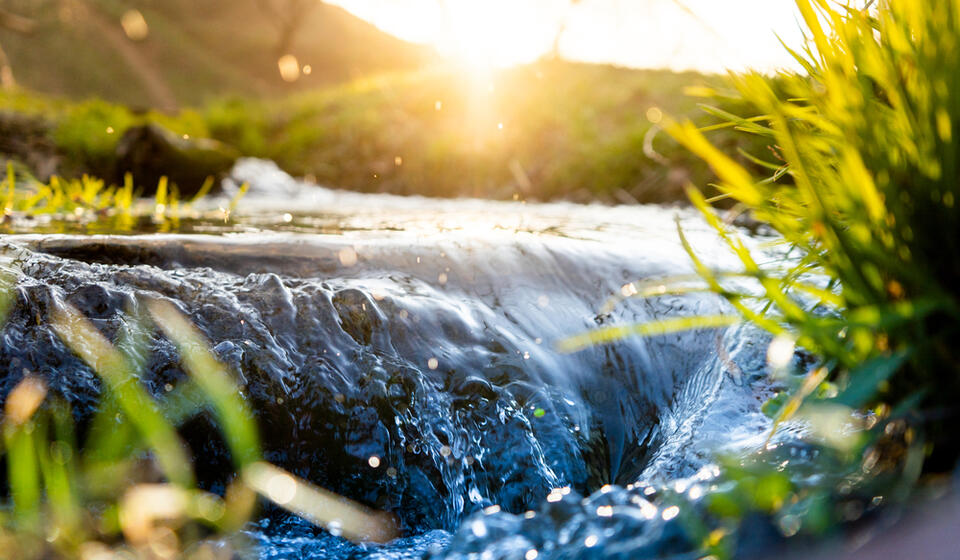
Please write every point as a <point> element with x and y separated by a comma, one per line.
<point>583,133</point>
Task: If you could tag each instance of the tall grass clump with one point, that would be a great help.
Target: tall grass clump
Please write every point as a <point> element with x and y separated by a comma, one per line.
<point>864,188</point>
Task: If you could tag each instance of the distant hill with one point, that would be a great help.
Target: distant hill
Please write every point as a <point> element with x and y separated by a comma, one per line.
<point>193,49</point>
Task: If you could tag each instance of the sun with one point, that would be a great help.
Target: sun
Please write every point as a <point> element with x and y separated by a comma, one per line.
<point>481,35</point>
<point>497,33</point>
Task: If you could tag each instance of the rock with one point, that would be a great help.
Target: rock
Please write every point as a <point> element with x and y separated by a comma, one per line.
<point>151,151</point>
<point>27,140</point>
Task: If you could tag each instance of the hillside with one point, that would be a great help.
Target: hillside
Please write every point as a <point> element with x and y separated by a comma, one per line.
<point>543,131</point>
<point>193,49</point>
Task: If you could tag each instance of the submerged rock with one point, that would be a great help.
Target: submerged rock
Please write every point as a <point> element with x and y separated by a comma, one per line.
<point>150,151</point>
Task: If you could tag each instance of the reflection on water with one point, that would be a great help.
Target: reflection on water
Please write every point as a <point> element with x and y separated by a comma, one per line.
<point>401,352</point>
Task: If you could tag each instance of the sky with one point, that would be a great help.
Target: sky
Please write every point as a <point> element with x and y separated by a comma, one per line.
<point>705,35</point>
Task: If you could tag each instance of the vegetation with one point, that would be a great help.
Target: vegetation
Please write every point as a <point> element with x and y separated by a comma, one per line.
<point>71,499</point>
<point>543,131</point>
<point>125,485</point>
<point>862,189</point>
<point>176,53</point>
<point>90,205</point>
<point>864,193</point>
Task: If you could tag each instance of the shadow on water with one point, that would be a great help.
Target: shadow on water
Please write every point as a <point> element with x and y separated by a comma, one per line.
<point>408,360</point>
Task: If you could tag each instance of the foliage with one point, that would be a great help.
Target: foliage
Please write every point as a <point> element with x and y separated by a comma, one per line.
<point>125,485</point>
<point>542,131</point>
<point>131,478</point>
<point>93,206</point>
<point>862,191</point>
<point>866,193</point>
<point>546,130</point>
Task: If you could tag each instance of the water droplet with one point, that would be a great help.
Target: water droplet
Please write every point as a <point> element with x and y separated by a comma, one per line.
<point>281,488</point>
<point>590,541</point>
<point>433,363</point>
<point>479,529</point>
<point>647,510</point>
<point>670,513</point>
<point>780,352</point>
<point>287,218</point>
<point>605,511</point>
<point>654,115</point>
<point>374,461</point>
<point>531,554</point>
<point>134,25</point>
<point>289,68</point>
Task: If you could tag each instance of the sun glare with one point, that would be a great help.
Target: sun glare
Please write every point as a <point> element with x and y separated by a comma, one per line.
<point>701,35</point>
<point>496,33</point>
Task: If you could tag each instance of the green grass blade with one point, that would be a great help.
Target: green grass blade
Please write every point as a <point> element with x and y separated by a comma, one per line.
<point>653,328</point>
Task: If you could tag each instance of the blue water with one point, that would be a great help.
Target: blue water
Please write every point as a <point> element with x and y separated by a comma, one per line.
<point>423,333</point>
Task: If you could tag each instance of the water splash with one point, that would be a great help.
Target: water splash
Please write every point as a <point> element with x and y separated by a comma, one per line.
<point>400,352</point>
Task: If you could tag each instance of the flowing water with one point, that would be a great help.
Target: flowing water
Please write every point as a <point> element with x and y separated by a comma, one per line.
<point>402,352</point>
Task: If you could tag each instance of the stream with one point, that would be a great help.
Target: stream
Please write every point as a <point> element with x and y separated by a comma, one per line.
<point>402,352</point>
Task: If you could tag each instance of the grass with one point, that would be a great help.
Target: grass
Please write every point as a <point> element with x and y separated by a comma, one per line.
<point>861,158</point>
<point>543,131</point>
<point>193,50</point>
<point>127,486</point>
<point>91,203</point>
<point>861,186</point>
<point>72,498</point>
<point>866,196</point>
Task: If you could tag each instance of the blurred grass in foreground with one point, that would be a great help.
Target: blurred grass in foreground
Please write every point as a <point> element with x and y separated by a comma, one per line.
<point>547,130</point>
<point>128,488</point>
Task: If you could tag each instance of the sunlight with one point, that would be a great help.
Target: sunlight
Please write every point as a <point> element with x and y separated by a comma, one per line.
<point>677,34</point>
<point>497,33</point>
